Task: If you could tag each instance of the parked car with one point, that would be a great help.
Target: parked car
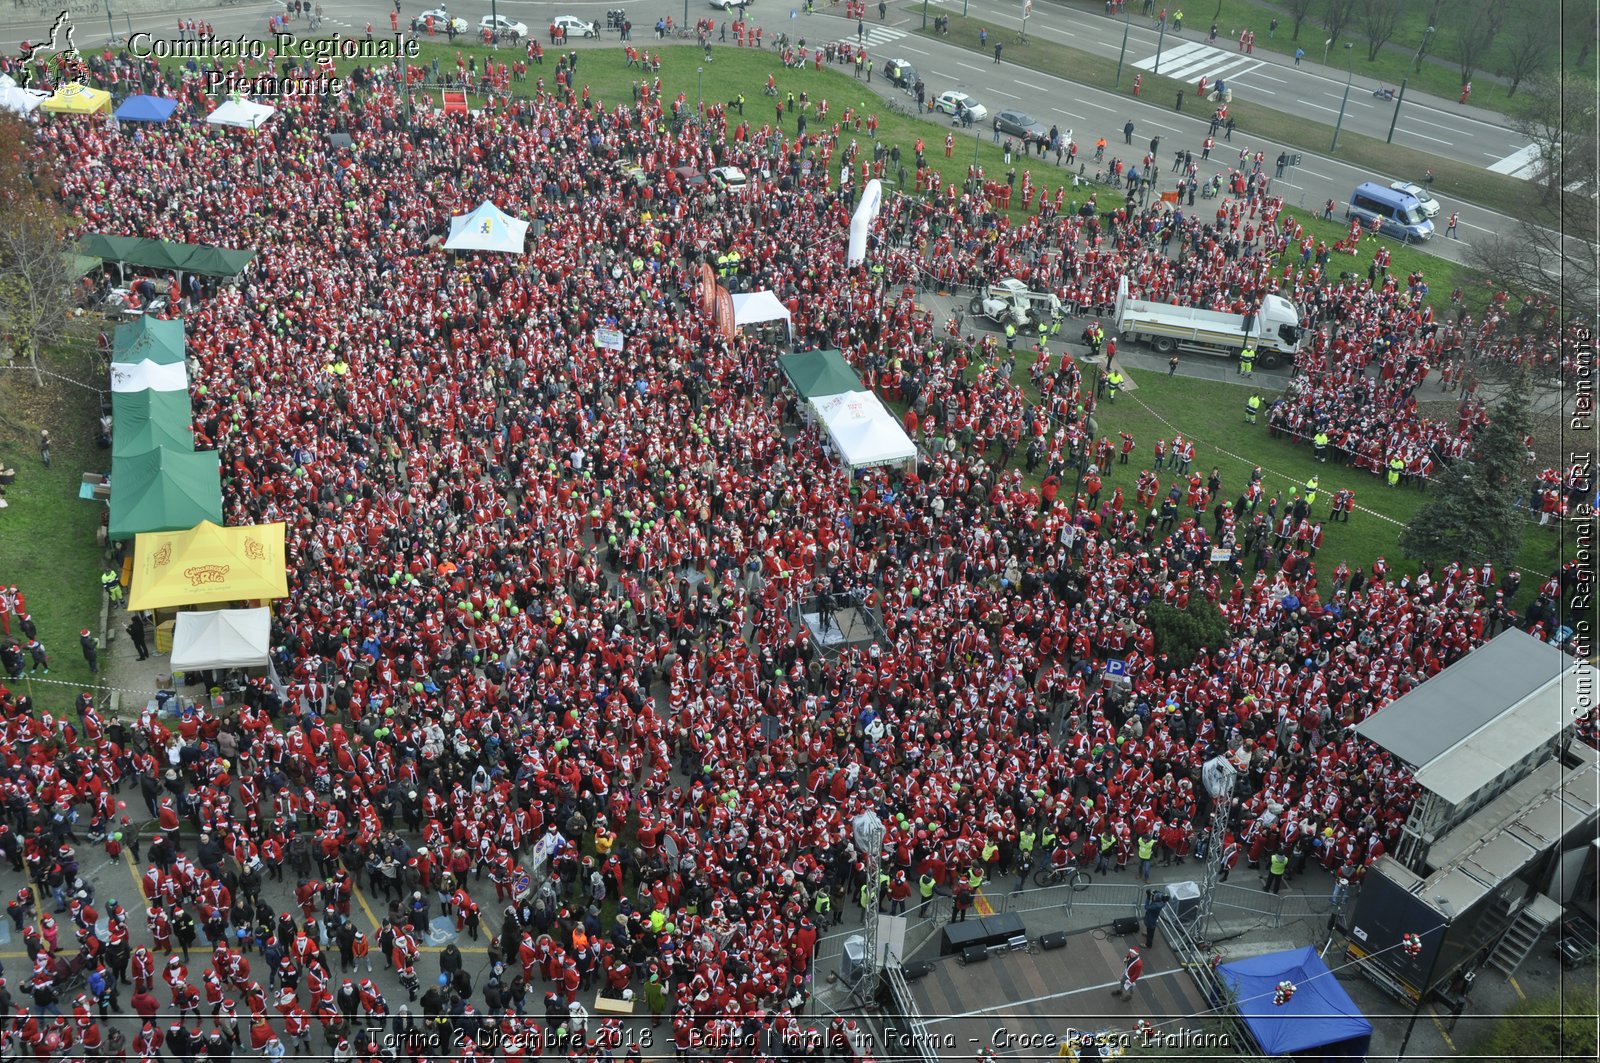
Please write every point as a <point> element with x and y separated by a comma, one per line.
<point>689,177</point>
<point>1022,124</point>
<point>503,27</point>
<point>900,73</point>
<point>952,103</point>
<point>730,178</point>
<point>442,22</point>
<point>731,5</point>
<point>1420,193</point>
<point>573,26</point>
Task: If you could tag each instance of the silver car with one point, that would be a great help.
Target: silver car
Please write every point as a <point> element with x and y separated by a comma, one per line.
<point>1420,193</point>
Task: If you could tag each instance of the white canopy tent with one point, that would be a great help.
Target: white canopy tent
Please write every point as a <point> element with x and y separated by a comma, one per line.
<point>149,376</point>
<point>862,431</point>
<point>241,114</point>
<point>488,228</point>
<point>756,308</point>
<point>221,638</point>
<point>17,99</point>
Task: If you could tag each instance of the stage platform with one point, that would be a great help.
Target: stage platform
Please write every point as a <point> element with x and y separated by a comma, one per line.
<point>849,626</point>
<point>1022,1004</point>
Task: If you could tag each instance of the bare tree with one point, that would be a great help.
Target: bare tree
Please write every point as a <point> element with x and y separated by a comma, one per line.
<point>1476,29</point>
<point>1298,10</point>
<point>35,278</point>
<point>1552,257</point>
<point>1379,20</point>
<point>1528,43</point>
<point>35,282</point>
<point>1336,15</point>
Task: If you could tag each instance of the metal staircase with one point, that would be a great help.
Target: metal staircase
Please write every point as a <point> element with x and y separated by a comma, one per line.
<point>1527,927</point>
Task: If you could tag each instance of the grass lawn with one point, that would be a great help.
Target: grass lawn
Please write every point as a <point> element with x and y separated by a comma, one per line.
<point>1441,70</point>
<point>1453,179</point>
<point>47,534</point>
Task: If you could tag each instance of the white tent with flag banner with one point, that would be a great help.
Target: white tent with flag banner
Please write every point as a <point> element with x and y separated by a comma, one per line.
<point>759,308</point>
<point>146,375</point>
<point>862,431</point>
<point>221,638</point>
<point>488,228</point>
<point>241,114</point>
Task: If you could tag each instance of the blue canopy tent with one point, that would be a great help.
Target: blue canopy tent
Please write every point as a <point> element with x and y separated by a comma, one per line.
<point>146,109</point>
<point>1320,1022</point>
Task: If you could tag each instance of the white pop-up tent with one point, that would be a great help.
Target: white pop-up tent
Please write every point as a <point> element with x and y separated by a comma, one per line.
<point>241,114</point>
<point>221,638</point>
<point>488,228</point>
<point>862,432</point>
<point>18,99</point>
<point>758,308</point>
<point>146,375</point>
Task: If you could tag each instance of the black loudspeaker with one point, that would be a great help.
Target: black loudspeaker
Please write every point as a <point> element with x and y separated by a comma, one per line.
<point>913,971</point>
<point>1126,925</point>
<point>1051,942</point>
<point>974,954</point>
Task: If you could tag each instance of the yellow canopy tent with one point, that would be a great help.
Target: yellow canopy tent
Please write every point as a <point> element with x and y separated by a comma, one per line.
<point>78,98</point>
<point>208,564</point>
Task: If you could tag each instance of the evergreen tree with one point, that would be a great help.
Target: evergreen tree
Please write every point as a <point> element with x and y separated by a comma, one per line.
<point>1471,513</point>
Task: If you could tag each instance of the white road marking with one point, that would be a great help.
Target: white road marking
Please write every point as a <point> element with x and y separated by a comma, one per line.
<point>1035,88</point>
<point>969,66</point>
<point>1516,160</point>
<point>1436,140</point>
<point>1007,95</point>
<point>1318,106</point>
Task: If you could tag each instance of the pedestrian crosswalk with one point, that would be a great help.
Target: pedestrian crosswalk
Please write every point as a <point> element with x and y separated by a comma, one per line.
<point>1191,60</point>
<point>876,37</point>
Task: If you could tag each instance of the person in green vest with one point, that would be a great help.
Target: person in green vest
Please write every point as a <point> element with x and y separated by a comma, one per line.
<point>867,890</point>
<point>1011,336</point>
<point>1055,327</point>
<point>1102,859</point>
<point>1044,334</point>
<point>1247,361</point>
<point>1114,382</point>
<point>1252,407</point>
<point>1396,467</point>
<point>1275,869</point>
<point>823,907</point>
<point>975,878</point>
<point>991,852</point>
<point>1320,443</point>
<point>1311,490</point>
<point>1147,852</point>
<point>1027,838</point>
<point>111,583</point>
<point>925,889</point>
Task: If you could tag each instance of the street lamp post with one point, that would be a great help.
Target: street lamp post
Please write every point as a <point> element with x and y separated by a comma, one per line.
<point>111,29</point>
<point>1398,97</point>
<point>699,89</point>
<point>1124,53</point>
<point>1325,46</point>
<point>924,14</point>
<point>1422,49</point>
<point>1159,38</point>
<point>494,22</point>
<point>1350,73</point>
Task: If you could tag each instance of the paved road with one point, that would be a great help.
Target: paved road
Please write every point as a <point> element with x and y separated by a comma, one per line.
<point>1087,112</point>
<point>1440,127</point>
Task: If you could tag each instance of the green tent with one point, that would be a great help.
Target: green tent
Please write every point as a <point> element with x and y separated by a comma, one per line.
<point>162,254</point>
<point>148,339</point>
<point>164,490</point>
<point>141,420</point>
<point>818,374</point>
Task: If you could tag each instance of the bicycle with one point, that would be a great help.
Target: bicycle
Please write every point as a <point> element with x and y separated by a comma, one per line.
<point>1020,38</point>
<point>1069,874</point>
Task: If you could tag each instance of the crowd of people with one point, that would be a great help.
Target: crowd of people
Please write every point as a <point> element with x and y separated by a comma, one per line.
<point>542,594</point>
